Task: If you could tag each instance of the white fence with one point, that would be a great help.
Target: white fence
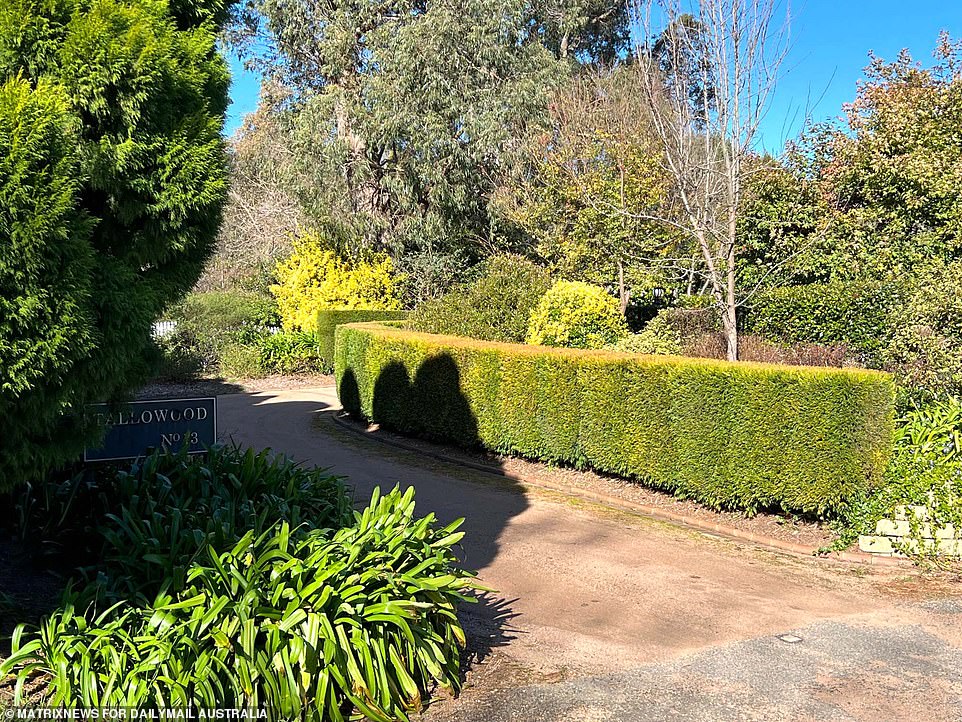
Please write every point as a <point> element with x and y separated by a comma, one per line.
<point>165,328</point>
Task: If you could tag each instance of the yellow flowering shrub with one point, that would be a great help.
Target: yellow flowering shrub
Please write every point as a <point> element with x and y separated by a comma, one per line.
<point>314,277</point>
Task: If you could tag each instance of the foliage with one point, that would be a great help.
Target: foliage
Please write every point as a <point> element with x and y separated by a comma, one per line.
<point>594,183</point>
<point>576,315</point>
<point>328,320</point>
<point>315,277</point>
<point>584,31</point>
<point>876,198</point>
<point>925,347</point>
<point>402,122</point>
<point>855,313</point>
<point>262,214</point>
<point>251,606</point>
<point>658,337</point>
<point>210,323</point>
<point>285,352</point>
<point>780,228</point>
<point>495,306</point>
<point>730,435</point>
<point>926,471</point>
<point>150,520</point>
<point>242,361</point>
<point>112,179</point>
<point>428,274</point>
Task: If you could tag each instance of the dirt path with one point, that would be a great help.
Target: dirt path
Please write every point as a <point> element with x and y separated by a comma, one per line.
<point>606,616</point>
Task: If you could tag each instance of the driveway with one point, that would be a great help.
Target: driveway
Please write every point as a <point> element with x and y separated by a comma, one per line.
<point>601,615</point>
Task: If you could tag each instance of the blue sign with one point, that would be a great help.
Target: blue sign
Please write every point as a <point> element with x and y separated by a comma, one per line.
<point>139,427</point>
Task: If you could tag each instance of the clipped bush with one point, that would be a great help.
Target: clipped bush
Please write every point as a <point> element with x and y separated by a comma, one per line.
<point>731,435</point>
<point>315,277</point>
<point>658,337</point>
<point>307,624</point>
<point>495,306</point>
<point>854,313</point>
<point>329,319</point>
<point>576,315</point>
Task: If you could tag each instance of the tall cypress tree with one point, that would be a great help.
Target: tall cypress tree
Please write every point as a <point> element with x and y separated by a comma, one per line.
<point>112,180</point>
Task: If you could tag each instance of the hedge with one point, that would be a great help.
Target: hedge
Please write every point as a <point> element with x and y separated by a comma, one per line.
<point>329,319</point>
<point>855,313</point>
<point>730,435</point>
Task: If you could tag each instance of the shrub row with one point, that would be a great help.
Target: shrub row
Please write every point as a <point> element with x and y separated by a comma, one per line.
<point>329,319</point>
<point>731,435</point>
<point>855,313</point>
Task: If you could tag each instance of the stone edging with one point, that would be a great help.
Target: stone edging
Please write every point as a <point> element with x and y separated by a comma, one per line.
<point>654,512</point>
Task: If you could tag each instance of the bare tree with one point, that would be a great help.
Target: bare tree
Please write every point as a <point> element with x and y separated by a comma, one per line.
<point>262,214</point>
<point>709,69</point>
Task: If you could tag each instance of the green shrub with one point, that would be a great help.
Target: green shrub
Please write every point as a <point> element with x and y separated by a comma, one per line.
<point>576,315</point>
<point>926,470</point>
<point>242,361</point>
<point>856,314</point>
<point>329,319</point>
<point>734,435</point>
<point>495,306</point>
<point>925,347</point>
<point>112,178</point>
<point>291,352</point>
<point>658,337</point>
<point>307,624</point>
<point>315,277</point>
<point>147,522</point>
<point>211,322</point>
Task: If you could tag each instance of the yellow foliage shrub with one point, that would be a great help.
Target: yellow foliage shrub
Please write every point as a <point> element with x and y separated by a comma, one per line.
<point>576,315</point>
<point>314,277</point>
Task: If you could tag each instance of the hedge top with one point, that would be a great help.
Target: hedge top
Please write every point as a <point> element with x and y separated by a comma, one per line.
<point>606,354</point>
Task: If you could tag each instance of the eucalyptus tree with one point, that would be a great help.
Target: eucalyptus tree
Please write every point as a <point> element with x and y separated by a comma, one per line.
<point>409,113</point>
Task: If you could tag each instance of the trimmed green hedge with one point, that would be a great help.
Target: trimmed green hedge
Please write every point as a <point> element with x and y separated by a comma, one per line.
<point>856,313</point>
<point>731,435</point>
<point>329,319</point>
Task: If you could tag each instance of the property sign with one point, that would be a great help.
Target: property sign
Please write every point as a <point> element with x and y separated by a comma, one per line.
<point>138,427</point>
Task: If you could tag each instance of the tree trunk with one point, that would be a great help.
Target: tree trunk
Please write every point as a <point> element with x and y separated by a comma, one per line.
<point>731,308</point>
<point>624,295</point>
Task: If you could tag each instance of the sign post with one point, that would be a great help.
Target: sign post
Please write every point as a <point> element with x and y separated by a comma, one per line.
<point>138,427</point>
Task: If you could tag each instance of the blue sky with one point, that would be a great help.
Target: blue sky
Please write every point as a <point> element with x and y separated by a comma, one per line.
<point>830,44</point>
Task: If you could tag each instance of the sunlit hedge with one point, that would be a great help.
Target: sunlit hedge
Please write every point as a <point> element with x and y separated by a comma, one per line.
<point>734,435</point>
<point>329,319</point>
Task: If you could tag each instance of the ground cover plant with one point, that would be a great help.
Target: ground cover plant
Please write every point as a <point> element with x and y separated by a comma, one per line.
<point>240,580</point>
<point>925,471</point>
